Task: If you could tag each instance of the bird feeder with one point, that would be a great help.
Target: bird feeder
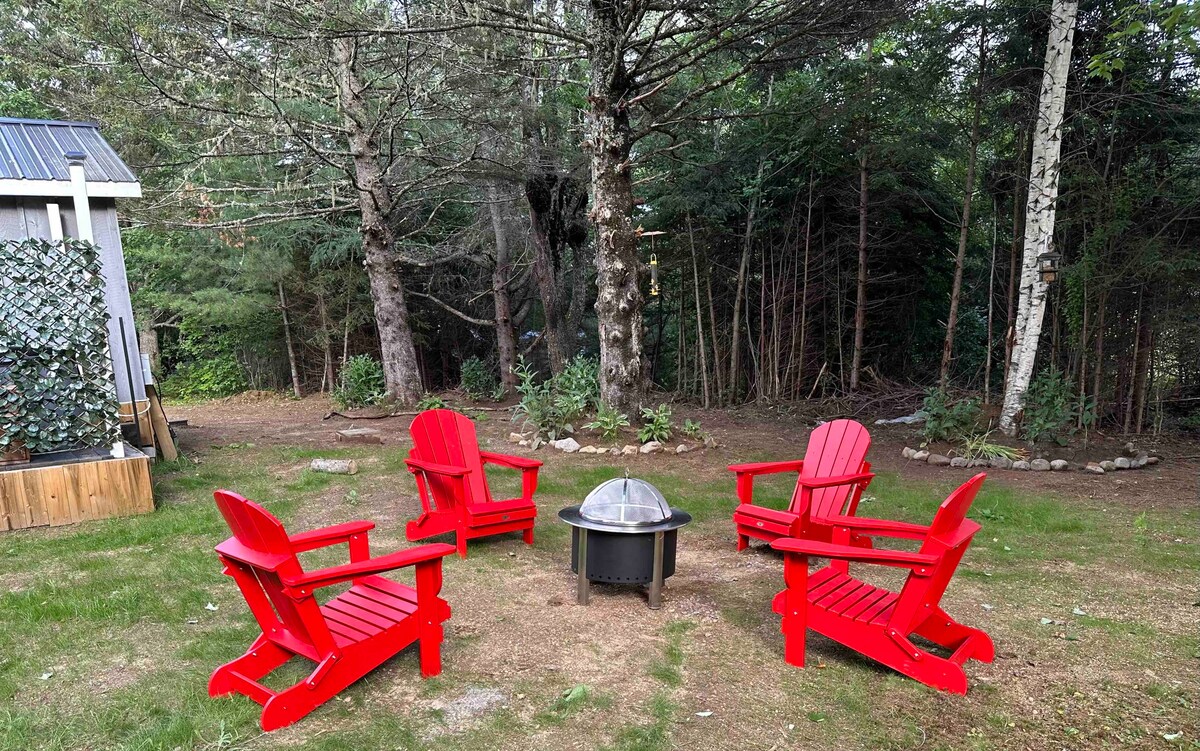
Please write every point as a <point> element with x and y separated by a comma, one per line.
<point>1048,265</point>
<point>654,288</point>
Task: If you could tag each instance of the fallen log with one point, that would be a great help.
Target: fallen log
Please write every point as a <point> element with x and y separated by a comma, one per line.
<point>335,466</point>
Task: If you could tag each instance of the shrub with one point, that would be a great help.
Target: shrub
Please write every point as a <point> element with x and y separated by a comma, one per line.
<point>946,420</point>
<point>431,401</point>
<point>552,406</point>
<point>1052,408</point>
<point>209,378</point>
<point>608,422</point>
<point>362,383</point>
<point>577,387</point>
<point>692,429</point>
<point>478,380</point>
<point>656,424</point>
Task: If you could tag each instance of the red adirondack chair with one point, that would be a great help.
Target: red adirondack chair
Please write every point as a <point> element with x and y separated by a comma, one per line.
<point>830,481</point>
<point>448,465</point>
<point>349,635</point>
<point>874,621</point>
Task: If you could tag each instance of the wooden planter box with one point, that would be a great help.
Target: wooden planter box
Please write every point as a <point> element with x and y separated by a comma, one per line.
<point>53,491</point>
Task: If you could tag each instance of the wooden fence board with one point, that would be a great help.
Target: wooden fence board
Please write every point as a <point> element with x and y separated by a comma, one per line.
<point>67,494</point>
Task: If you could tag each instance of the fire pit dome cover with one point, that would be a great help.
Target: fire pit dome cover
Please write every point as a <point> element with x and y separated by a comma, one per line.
<point>625,501</point>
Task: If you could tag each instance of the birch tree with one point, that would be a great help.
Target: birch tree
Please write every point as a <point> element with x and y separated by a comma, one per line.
<point>1039,211</point>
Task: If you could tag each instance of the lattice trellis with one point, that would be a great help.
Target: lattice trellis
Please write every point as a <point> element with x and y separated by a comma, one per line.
<point>56,377</point>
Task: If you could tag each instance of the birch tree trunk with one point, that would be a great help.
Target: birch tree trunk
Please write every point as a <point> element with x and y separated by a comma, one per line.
<point>291,347</point>
<point>506,340</point>
<point>1039,211</point>
<point>400,368</point>
<point>610,141</point>
<point>860,300</point>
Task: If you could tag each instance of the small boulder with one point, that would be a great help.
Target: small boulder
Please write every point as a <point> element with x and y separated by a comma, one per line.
<point>1130,449</point>
<point>1000,462</point>
<point>1122,462</point>
<point>958,461</point>
<point>589,450</point>
<point>1151,460</point>
<point>938,460</point>
<point>1141,460</point>
<point>907,453</point>
<point>1021,465</point>
<point>614,451</point>
<point>1058,465</point>
<point>977,463</point>
<point>920,456</point>
<point>522,442</point>
<point>629,450</point>
<point>1094,468</point>
<point>567,445</point>
<point>651,447</point>
<point>1039,465</point>
<point>1108,466</point>
<point>515,437</point>
<point>682,448</point>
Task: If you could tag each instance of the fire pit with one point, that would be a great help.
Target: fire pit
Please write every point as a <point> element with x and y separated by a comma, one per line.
<point>623,533</point>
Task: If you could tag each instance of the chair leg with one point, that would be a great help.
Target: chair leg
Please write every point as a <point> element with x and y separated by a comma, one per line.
<point>461,543</point>
<point>944,631</point>
<point>260,659</point>
<point>743,542</point>
<point>528,536</point>
<point>795,608</point>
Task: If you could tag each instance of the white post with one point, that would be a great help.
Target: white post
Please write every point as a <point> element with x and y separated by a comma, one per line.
<point>55,217</point>
<point>83,210</point>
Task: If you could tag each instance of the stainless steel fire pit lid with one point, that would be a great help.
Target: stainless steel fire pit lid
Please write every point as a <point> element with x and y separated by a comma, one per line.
<point>625,502</point>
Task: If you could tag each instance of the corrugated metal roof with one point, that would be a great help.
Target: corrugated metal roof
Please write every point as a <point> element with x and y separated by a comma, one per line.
<point>34,149</point>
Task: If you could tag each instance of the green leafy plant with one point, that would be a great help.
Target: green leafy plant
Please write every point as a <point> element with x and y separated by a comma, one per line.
<point>210,378</point>
<point>551,407</point>
<point>362,383</point>
<point>656,424</point>
<point>478,380</point>
<point>431,401</point>
<point>947,420</point>
<point>608,422</point>
<point>692,429</point>
<point>1051,408</point>
<point>577,388</point>
<point>980,446</point>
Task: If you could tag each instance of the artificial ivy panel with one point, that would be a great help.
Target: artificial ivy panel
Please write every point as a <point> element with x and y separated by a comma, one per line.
<point>56,374</point>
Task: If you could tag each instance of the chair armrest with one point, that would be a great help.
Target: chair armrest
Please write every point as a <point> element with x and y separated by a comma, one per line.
<point>513,462</point>
<point>337,574</point>
<point>880,527</point>
<point>449,470</point>
<point>767,468</point>
<point>319,538</point>
<point>832,482</point>
<point>900,558</point>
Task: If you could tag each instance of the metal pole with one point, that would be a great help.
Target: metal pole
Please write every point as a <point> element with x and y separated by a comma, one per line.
<point>581,585</point>
<point>656,582</point>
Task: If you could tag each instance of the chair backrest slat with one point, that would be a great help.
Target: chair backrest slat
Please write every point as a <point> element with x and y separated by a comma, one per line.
<point>835,448</point>
<point>259,565</point>
<point>446,437</point>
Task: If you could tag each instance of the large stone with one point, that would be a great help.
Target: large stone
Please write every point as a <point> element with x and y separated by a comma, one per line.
<point>1108,466</point>
<point>1122,462</point>
<point>1094,468</point>
<point>1039,465</point>
<point>651,447</point>
<point>1000,462</point>
<point>1021,465</point>
<point>515,437</point>
<point>629,450</point>
<point>920,456</point>
<point>566,445</point>
<point>958,461</point>
<point>938,460</point>
<point>359,435</point>
<point>907,453</point>
<point>682,448</point>
<point>1058,465</point>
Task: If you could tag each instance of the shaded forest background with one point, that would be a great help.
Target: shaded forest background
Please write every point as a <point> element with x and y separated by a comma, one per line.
<point>766,175</point>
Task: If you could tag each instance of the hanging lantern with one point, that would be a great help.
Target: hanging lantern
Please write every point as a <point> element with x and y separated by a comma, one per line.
<point>1048,264</point>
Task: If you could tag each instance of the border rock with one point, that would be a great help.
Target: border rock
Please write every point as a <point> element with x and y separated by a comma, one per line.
<point>938,460</point>
<point>1058,465</point>
<point>1039,465</point>
<point>1021,465</point>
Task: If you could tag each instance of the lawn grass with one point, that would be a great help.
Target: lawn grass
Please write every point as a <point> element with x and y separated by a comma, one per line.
<point>107,640</point>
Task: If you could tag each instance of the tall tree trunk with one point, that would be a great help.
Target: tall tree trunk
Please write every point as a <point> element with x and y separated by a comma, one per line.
<point>1039,214</point>
<point>401,370</point>
<point>506,340</point>
<point>326,344</point>
<point>991,306</point>
<point>1020,198</point>
<point>702,355</point>
<point>147,335</point>
<point>964,225</point>
<point>860,301</point>
<point>555,203</point>
<point>735,346</point>
<point>610,141</point>
<point>291,348</point>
